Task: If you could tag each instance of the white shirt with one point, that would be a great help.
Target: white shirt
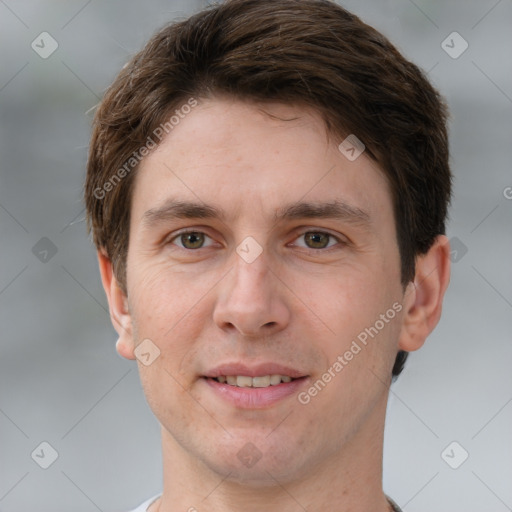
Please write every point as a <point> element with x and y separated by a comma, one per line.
<point>143,507</point>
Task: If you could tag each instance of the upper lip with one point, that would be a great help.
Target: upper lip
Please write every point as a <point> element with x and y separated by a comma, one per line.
<point>256,370</point>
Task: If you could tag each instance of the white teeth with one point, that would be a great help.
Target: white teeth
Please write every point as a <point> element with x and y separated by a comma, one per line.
<point>260,382</point>
<point>275,380</point>
<point>243,381</point>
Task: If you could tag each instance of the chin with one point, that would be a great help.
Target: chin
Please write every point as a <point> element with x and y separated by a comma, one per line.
<point>256,460</point>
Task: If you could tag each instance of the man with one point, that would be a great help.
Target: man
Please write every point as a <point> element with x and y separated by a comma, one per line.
<point>267,188</point>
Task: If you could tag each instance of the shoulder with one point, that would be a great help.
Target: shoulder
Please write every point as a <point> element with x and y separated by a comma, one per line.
<point>144,506</point>
<point>394,506</point>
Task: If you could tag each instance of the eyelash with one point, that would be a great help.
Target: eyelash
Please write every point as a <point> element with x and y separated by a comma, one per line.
<point>325,249</point>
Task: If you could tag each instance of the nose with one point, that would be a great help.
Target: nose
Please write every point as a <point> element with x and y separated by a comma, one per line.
<point>251,300</point>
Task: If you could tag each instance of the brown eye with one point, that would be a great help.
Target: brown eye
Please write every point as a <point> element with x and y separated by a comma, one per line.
<point>192,240</point>
<point>317,239</point>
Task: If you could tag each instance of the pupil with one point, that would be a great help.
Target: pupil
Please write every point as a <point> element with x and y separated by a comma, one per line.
<point>317,239</point>
<point>194,240</point>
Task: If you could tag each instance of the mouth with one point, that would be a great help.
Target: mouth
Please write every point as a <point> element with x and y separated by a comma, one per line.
<point>254,387</point>
<point>244,381</point>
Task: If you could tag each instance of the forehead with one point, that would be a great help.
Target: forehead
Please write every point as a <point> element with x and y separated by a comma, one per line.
<point>243,157</point>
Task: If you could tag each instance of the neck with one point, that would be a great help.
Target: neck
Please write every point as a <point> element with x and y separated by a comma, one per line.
<point>350,477</point>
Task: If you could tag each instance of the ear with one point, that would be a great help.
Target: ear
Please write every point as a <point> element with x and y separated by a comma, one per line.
<point>118,305</point>
<point>423,298</point>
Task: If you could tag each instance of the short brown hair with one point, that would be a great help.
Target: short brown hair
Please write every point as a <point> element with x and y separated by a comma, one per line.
<point>306,52</point>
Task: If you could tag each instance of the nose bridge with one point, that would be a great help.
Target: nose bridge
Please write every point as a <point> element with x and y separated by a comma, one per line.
<point>250,284</point>
<point>250,299</point>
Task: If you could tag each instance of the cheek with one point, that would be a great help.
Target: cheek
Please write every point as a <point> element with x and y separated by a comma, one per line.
<point>161,295</point>
<point>357,307</point>
<point>171,308</point>
<point>346,300</point>
<point>166,308</point>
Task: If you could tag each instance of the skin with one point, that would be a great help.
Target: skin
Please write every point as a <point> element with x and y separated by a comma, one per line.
<point>298,304</point>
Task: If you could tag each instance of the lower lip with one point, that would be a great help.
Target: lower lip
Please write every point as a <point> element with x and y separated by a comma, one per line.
<point>255,398</point>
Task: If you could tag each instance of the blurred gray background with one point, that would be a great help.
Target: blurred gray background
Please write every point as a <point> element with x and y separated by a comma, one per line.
<point>61,381</point>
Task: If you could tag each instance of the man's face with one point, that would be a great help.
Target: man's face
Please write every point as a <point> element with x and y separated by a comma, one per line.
<point>215,306</point>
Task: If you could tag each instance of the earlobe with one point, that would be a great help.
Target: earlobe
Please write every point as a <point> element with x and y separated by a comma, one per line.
<point>124,349</point>
<point>424,299</point>
<point>118,306</point>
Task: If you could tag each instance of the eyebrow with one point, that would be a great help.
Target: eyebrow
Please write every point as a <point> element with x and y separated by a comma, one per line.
<point>176,209</point>
<point>337,209</point>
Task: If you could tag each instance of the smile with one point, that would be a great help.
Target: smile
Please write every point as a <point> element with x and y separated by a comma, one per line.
<point>255,392</point>
<point>243,381</point>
